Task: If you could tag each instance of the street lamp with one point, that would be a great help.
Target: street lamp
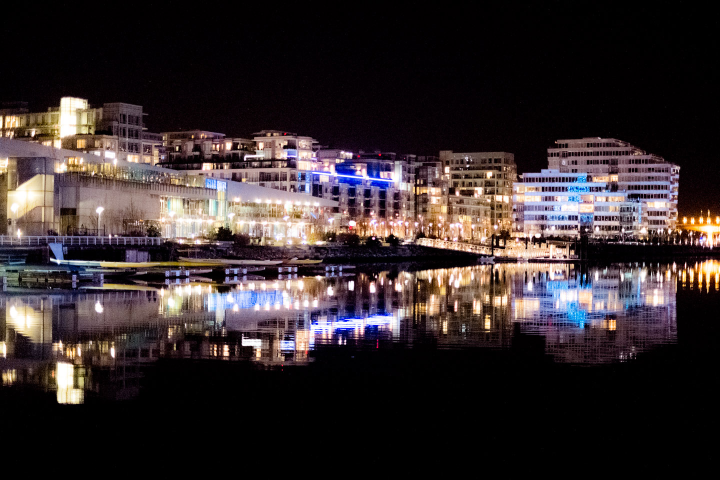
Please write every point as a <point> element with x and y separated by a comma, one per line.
<point>99,211</point>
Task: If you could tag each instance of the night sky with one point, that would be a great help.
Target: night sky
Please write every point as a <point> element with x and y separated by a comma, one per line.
<point>375,77</point>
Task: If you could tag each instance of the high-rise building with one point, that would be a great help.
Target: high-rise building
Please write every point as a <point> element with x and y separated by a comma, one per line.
<point>624,167</point>
<point>483,178</point>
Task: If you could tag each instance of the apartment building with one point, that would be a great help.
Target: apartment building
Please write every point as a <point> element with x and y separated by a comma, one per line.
<point>374,190</point>
<point>115,130</point>
<point>572,204</point>
<point>482,178</point>
<point>273,158</point>
<point>644,176</point>
<point>431,195</point>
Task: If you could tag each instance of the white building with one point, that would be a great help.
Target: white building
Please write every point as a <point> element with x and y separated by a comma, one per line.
<point>567,204</point>
<point>273,159</point>
<point>44,189</point>
<point>115,130</point>
<point>644,176</point>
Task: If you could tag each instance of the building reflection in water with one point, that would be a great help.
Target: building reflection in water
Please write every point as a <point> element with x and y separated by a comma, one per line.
<point>97,343</point>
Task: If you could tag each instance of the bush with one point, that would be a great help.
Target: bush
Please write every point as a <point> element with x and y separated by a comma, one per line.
<point>349,239</point>
<point>393,240</point>
<point>420,235</point>
<point>373,242</point>
<point>329,236</point>
<point>241,240</point>
<point>153,231</point>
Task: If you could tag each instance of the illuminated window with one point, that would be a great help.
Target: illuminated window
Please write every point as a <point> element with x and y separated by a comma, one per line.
<point>81,143</point>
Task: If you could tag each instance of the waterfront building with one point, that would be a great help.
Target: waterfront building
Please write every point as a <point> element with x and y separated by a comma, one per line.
<point>273,159</point>
<point>431,195</point>
<point>46,190</point>
<point>153,149</point>
<point>374,190</point>
<point>115,130</point>
<point>282,160</point>
<point>570,204</point>
<point>192,146</point>
<point>482,178</point>
<point>644,176</point>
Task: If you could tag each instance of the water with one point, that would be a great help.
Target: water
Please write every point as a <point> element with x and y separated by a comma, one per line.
<point>627,342</point>
<point>598,316</point>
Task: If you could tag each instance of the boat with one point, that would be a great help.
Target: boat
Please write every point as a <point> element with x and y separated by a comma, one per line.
<point>299,262</point>
<point>228,262</point>
<point>486,260</point>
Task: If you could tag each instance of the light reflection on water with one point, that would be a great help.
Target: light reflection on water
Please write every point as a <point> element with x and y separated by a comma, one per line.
<point>99,341</point>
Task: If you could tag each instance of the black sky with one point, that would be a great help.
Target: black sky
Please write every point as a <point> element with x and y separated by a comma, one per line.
<point>411,80</point>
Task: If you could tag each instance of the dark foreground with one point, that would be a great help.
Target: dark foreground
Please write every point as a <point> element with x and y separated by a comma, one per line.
<point>413,409</point>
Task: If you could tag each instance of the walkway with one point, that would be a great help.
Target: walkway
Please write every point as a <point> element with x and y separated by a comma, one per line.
<point>29,241</point>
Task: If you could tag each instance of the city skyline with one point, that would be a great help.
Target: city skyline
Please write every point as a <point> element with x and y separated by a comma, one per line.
<point>491,79</point>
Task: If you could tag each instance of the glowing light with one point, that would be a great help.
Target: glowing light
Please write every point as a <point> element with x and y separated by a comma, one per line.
<point>374,179</point>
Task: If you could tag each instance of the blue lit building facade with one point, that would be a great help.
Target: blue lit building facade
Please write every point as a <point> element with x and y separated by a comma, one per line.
<point>375,190</point>
<point>569,204</point>
<point>644,176</point>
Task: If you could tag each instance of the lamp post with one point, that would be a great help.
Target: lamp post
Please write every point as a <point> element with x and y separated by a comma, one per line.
<point>99,211</point>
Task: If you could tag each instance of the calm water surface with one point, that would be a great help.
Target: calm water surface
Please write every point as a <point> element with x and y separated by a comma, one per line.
<point>98,343</point>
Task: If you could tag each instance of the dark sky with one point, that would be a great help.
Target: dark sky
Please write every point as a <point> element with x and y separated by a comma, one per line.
<point>512,78</point>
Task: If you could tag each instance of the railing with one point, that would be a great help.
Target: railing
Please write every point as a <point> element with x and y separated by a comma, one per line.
<point>459,246</point>
<point>8,240</point>
<point>511,250</point>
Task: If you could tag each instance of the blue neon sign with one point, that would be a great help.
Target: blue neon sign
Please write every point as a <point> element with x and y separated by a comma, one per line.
<point>214,184</point>
<point>357,177</point>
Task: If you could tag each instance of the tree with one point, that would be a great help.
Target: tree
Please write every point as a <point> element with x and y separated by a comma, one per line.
<point>241,240</point>
<point>153,231</point>
<point>132,216</point>
<point>224,234</point>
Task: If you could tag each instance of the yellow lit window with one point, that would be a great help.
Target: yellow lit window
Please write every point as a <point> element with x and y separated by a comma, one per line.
<point>81,143</point>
